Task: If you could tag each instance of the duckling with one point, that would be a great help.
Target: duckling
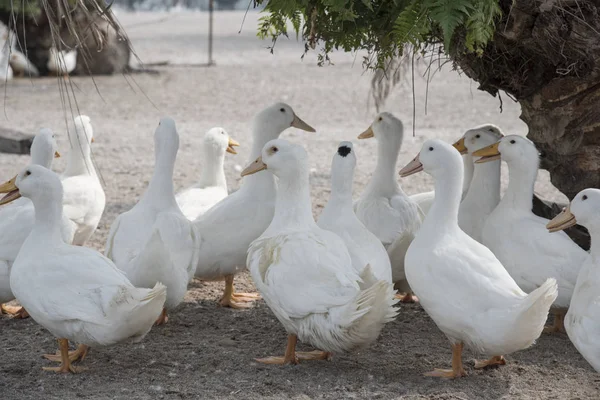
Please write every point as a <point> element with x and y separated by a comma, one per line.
<point>582,321</point>
<point>519,238</point>
<point>305,273</point>
<point>212,187</point>
<point>339,218</point>
<point>74,292</point>
<point>460,283</point>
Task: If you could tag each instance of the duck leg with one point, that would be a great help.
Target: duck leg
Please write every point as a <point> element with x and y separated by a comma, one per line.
<point>163,318</point>
<point>65,361</point>
<point>559,322</point>
<point>496,360</point>
<point>76,355</point>
<point>408,297</point>
<point>16,312</point>
<point>457,370</point>
<point>290,354</point>
<point>236,300</point>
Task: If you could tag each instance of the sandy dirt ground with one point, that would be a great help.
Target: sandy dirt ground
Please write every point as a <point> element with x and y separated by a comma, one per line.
<point>206,351</point>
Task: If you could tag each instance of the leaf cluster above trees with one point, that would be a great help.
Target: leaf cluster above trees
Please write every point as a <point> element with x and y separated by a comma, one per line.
<point>384,28</point>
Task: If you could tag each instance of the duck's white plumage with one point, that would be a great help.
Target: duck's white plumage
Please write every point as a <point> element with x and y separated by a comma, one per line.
<point>17,218</point>
<point>338,217</point>
<point>425,200</point>
<point>483,194</point>
<point>460,283</point>
<point>212,186</point>
<point>228,228</point>
<point>61,62</point>
<point>21,64</point>
<point>518,237</point>
<point>154,242</point>
<point>383,207</point>
<point>305,273</point>
<point>75,292</point>
<point>582,321</point>
<point>84,198</point>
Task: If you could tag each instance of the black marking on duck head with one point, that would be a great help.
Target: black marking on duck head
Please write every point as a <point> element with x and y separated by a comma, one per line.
<point>344,151</point>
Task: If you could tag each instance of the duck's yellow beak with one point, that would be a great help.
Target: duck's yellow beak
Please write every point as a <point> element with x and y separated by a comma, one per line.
<point>256,166</point>
<point>367,134</point>
<point>460,146</point>
<point>412,167</point>
<point>11,190</point>
<point>489,153</point>
<point>562,221</point>
<point>232,142</point>
<point>56,154</point>
<point>298,123</point>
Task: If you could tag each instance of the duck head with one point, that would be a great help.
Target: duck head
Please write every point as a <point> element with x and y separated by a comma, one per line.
<point>513,149</point>
<point>280,157</point>
<point>478,138</point>
<point>385,128</point>
<point>34,182</point>
<point>435,157</point>
<point>218,140</point>
<point>584,210</point>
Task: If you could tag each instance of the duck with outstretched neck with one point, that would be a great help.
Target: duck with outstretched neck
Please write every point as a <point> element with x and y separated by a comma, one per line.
<point>460,283</point>
<point>228,228</point>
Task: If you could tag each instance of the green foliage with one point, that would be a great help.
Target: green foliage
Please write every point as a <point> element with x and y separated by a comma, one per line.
<point>28,7</point>
<point>383,27</point>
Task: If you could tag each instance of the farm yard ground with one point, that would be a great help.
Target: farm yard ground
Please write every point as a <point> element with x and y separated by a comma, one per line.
<point>206,351</point>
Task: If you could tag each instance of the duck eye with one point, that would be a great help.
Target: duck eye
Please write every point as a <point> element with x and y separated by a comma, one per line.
<point>584,197</point>
<point>27,173</point>
<point>282,110</point>
<point>431,149</point>
<point>274,149</point>
<point>477,136</point>
<point>512,142</point>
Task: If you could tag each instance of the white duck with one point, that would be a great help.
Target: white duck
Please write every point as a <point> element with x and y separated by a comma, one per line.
<point>339,218</point>
<point>460,283</point>
<point>21,65</point>
<point>6,71</point>
<point>383,207</point>
<point>84,198</point>
<point>228,228</point>
<point>582,321</point>
<point>61,62</point>
<point>17,218</point>
<point>305,273</point>
<point>519,238</point>
<point>425,200</point>
<point>154,242</point>
<point>74,292</point>
<point>483,194</point>
<point>212,187</point>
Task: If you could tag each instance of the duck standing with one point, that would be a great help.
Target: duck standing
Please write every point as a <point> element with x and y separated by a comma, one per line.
<point>17,219</point>
<point>383,207</point>
<point>483,194</point>
<point>519,238</point>
<point>74,292</point>
<point>582,321</point>
<point>84,198</point>
<point>228,228</point>
<point>460,283</point>
<point>212,187</point>
<point>61,62</point>
<point>338,217</point>
<point>154,242</point>
<point>305,273</point>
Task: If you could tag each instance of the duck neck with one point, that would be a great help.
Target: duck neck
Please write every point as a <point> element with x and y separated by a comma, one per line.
<point>448,192</point>
<point>212,171</point>
<point>79,160</point>
<point>261,183</point>
<point>595,240</point>
<point>384,177</point>
<point>485,186</point>
<point>160,189</point>
<point>469,168</point>
<point>48,220</point>
<point>521,180</point>
<point>293,207</point>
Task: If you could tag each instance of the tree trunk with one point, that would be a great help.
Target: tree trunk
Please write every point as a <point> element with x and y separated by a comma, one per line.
<point>546,54</point>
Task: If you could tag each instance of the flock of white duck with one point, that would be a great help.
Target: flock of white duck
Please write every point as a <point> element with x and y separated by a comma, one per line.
<point>485,269</point>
